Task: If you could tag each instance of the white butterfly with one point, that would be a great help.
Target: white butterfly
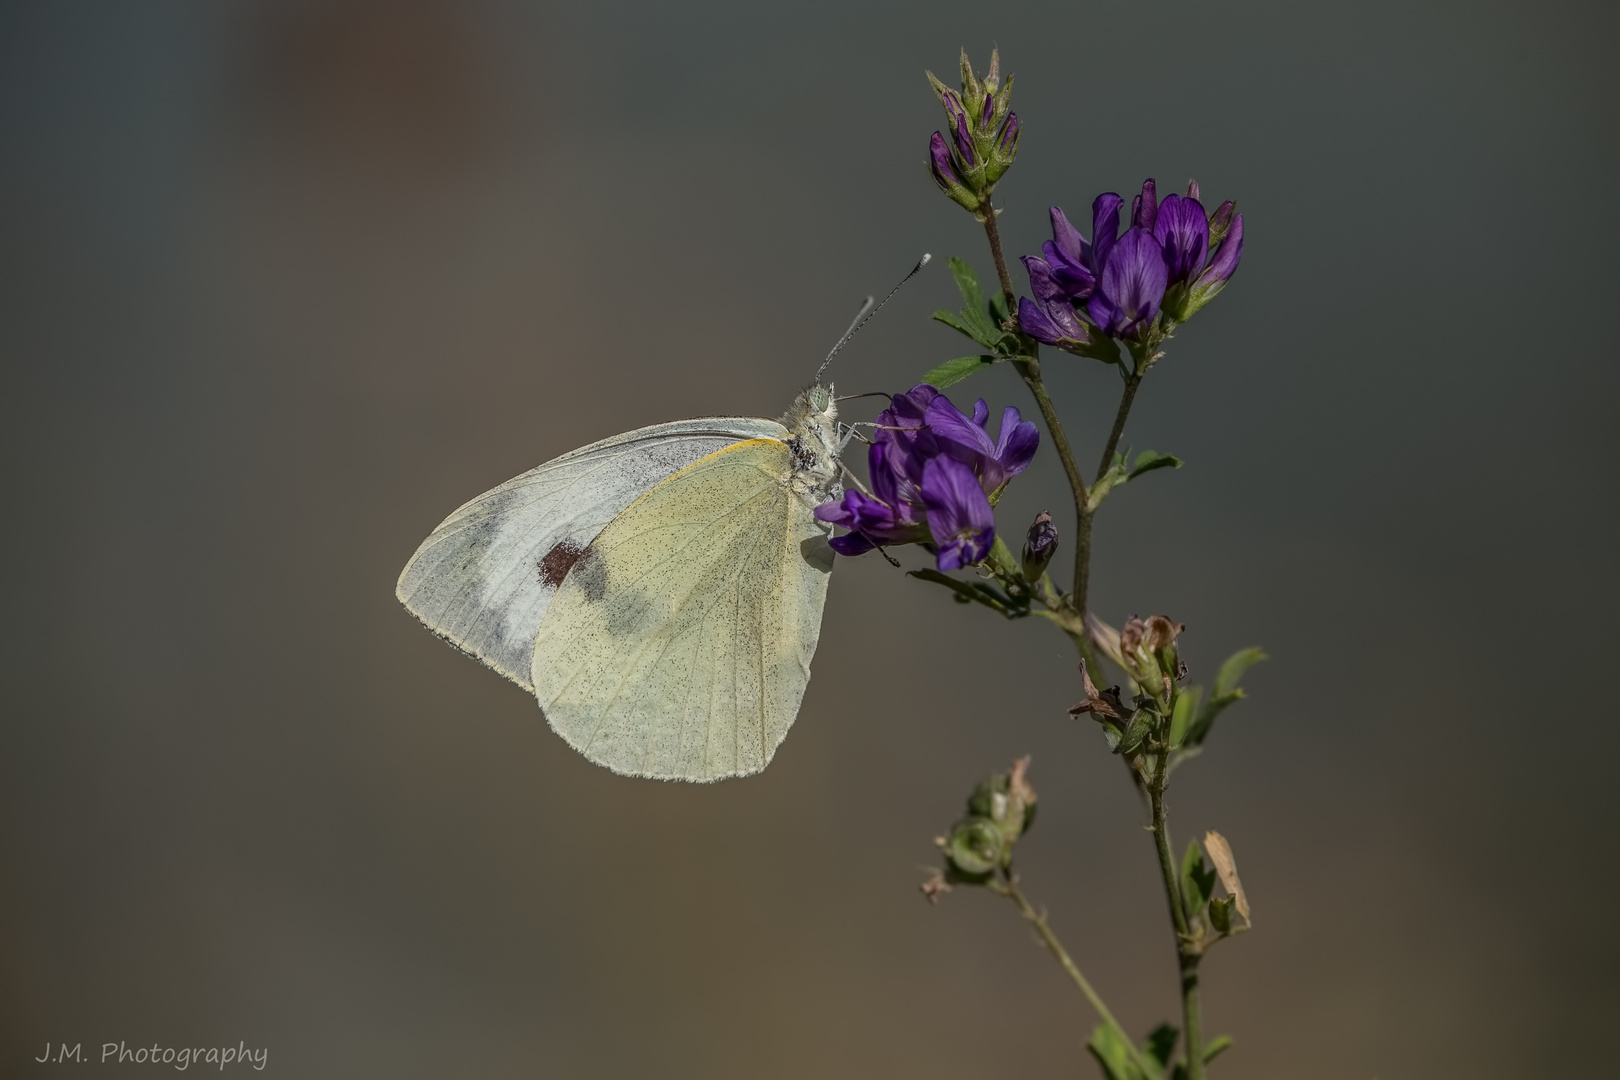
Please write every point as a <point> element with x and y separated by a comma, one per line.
<point>660,592</point>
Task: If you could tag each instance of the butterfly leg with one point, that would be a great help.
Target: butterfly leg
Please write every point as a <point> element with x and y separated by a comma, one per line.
<point>850,432</point>
<point>853,479</point>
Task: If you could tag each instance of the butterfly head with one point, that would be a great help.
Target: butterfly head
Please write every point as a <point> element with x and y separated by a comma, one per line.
<point>820,399</point>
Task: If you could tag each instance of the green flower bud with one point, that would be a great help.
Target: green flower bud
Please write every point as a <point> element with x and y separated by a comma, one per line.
<point>980,138</point>
<point>1000,810</point>
<point>1220,913</point>
<point>1007,800</point>
<point>975,849</point>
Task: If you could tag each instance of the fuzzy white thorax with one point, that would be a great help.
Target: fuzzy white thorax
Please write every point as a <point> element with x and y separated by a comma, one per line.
<point>812,424</point>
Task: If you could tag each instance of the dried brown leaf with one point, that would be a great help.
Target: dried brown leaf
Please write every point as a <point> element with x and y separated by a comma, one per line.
<point>1220,853</point>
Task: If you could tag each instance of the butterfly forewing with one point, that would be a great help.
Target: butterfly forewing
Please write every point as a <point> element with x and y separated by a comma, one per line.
<point>484,578</point>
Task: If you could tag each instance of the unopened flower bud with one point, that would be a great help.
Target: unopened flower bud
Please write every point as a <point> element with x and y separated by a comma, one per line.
<point>946,176</point>
<point>1220,914</point>
<point>1039,546</point>
<point>1003,151</point>
<point>984,135</point>
<point>975,849</point>
<point>1220,222</point>
<point>1007,800</point>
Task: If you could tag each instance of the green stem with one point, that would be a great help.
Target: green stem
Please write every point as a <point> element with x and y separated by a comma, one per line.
<point>1125,401</point>
<point>994,235</point>
<point>1187,952</point>
<point>1029,370</point>
<point>1082,551</point>
<point>1010,889</point>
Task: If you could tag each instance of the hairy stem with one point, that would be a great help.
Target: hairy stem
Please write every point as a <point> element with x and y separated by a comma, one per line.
<point>1187,953</point>
<point>1082,549</point>
<point>1125,401</point>
<point>1030,370</point>
<point>994,234</point>
<point>1010,889</point>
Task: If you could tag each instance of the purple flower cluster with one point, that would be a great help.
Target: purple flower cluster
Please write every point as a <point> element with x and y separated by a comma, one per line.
<point>1173,258</point>
<point>933,469</point>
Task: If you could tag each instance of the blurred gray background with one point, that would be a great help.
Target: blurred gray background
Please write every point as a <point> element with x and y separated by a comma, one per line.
<point>286,283</point>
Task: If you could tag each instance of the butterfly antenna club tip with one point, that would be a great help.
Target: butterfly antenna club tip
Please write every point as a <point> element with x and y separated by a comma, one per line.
<point>868,309</point>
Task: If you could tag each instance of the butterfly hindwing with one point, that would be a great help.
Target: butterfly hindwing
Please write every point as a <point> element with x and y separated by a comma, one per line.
<point>485,577</point>
<point>679,644</point>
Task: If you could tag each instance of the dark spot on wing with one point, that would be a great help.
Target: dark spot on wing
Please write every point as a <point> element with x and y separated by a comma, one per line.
<point>558,561</point>
<point>592,575</point>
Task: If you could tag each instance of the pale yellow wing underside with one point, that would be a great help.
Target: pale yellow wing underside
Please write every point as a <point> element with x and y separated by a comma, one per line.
<point>679,645</point>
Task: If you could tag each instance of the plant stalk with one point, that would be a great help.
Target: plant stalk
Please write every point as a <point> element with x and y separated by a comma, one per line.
<point>1037,919</point>
<point>1082,551</point>
<point>1125,402</point>
<point>1187,954</point>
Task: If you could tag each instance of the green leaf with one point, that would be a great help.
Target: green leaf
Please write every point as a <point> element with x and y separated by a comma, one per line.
<point>999,312</point>
<point>967,591</point>
<point>1161,1041</point>
<point>1186,708</point>
<point>1113,1053</point>
<point>952,372</point>
<point>1148,460</point>
<point>980,320</point>
<point>1001,559</point>
<point>1104,484</point>
<point>1226,679</point>
<point>1197,880</point>
<point>975,592</point>
<point>977,329</point>
<point>1118,473</point>
<point>967,283</point>
<point>1226,692</point>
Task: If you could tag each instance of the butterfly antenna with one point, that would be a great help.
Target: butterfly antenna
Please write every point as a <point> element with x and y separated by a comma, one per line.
<point>867,311</point>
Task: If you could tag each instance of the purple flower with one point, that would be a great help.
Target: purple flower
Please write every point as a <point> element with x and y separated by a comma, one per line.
<point>1173,256</point>
<point>1131,287</point>
<point>1225,258</point>
<point>1104,228</point>
<point>1145,207</point>
<point>1068,258</point>
<point>959,516</point>
<point>1050,317</point>
<point>1182,231</point>
<point>1185,234</point>
<point>925,457</point>
<point>966,440</point>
